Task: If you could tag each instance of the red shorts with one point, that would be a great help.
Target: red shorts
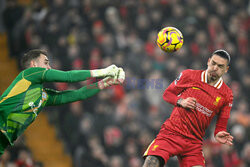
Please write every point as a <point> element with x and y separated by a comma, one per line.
<point>188,152</point>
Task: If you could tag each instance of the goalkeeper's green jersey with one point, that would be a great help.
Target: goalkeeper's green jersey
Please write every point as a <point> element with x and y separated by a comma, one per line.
<point>25,97</point>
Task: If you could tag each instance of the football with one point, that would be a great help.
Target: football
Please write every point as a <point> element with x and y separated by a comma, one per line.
<point>170,39</point>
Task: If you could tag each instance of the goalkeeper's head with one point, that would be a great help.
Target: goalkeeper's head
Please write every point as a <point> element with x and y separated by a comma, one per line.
<point>35,58</point>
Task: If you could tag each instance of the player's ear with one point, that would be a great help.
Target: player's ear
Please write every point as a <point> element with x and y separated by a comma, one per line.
<point>208,61</point>
<point>33,63</point>
<point>227,68</point>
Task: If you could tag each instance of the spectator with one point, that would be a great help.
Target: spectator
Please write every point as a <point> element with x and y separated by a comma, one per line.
<point>92,34</point>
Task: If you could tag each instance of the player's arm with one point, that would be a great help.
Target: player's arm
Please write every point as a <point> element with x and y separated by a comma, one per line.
<point>68,96</point>
<point>78,75</point>
<point>171,94</point>
<point>220,133</point>
<point>40,75</point>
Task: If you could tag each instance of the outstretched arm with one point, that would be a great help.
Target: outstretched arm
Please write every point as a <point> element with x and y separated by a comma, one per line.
<point>78,75</point>
<point>40,75</point>
<point>65,76</point>
<point>68,96</point>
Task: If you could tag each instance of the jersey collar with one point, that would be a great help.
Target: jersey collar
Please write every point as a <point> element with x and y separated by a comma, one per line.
<point>204,79</point>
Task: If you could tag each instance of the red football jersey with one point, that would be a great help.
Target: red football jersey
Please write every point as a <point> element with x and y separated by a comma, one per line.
<point>211,101</point>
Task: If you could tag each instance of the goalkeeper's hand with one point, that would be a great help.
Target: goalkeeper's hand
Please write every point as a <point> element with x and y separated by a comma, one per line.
<point>110,71</point>
<point>118,79</point>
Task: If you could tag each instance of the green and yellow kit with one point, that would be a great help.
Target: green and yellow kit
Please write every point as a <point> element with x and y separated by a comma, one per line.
<point>23,100</point>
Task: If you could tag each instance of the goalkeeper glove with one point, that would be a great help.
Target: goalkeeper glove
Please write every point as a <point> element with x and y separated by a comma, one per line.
<point>120,76</point>
<point>108,81</point>
<point>110,71</point>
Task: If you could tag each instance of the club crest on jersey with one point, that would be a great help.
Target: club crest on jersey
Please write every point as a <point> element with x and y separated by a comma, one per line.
<point>217,100</point>
<point>178,78</point>
<point>44,96</point>
<point>154,148</point>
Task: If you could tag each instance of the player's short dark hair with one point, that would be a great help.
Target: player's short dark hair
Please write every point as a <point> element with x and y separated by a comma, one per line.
<point>31,55</point>
<point>222,53</point>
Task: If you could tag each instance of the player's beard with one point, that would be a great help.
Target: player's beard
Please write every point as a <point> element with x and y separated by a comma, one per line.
<point>213,76</point>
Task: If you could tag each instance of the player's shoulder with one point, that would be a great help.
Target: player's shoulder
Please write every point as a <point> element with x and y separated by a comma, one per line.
<point>226,89</point>
<point>191,72</point>
<point>33,70</point>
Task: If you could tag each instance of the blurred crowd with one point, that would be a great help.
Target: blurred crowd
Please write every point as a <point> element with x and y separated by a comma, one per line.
<point>114,128</point>
<point>19,156</point>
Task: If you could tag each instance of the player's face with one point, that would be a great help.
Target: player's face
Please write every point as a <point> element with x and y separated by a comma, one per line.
<point>217,66</point>
<point>42,61</point>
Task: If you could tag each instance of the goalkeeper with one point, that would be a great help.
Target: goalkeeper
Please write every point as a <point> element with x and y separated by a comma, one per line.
<point>24,99</point>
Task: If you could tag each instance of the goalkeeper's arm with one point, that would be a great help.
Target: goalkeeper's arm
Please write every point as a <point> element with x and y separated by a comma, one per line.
<point>68,96</point>
<point>52,75</point>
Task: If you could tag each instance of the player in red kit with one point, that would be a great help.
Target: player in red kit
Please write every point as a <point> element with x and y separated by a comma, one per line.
<point>198,96</point>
